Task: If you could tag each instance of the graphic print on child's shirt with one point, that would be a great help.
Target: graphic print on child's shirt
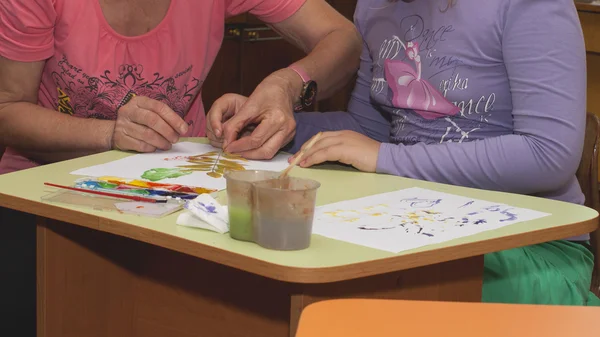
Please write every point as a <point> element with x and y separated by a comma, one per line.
<point>410,90</point>
<point>425,87</point>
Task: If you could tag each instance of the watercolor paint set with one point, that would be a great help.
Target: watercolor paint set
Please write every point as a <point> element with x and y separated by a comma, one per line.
<point>140,188</point>
<point>111,204</point>
<point>125,196</point>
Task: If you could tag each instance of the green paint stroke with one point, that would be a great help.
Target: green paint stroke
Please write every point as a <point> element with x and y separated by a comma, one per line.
<point>164,173</point>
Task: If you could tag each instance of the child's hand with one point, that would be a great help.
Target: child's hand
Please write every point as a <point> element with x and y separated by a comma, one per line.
<point>347,147</point>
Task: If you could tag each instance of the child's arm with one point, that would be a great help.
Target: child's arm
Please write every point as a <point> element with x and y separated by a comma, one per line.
<point>545,59</point>
<point>361,116</point>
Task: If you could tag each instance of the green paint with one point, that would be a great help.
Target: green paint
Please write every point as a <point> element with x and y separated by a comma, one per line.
<point>240,223</point>
<point>106,185</point>
<point>164,173</point>
<point>139,192</point>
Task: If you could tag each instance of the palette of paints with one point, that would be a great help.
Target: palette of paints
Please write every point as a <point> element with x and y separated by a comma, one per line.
<point>141,188</point>
<point>126,196</point>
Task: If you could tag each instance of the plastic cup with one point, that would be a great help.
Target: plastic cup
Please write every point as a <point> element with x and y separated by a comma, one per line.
<point>283,213</point>
<point>239,201</point>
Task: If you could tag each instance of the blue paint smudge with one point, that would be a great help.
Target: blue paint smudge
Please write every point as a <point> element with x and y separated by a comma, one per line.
<point>209,208</point>
<point>422,203</point>
<point>510,216</point>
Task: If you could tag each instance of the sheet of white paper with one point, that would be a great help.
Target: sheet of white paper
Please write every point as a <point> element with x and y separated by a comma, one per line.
<point>412,218</point>
<point>134,167</point>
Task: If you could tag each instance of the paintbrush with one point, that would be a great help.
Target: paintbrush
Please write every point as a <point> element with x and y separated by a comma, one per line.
<point>107,194</point>
<point>299,157</point>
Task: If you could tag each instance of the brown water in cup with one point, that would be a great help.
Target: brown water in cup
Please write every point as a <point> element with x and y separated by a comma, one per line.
<point>283,212</point>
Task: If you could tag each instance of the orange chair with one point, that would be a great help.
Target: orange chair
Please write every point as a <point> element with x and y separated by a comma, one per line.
<point>383,318</point>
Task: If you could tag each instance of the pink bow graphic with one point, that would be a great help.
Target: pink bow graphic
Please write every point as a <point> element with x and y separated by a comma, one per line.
<point>411,91</point>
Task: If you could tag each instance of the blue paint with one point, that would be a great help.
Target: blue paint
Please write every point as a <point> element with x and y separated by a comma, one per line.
<point>510,216</point>
<point>494,208</point>
<point>209,208</point>
<point>422,203</point>
<point>467,204</point>
<point>113,188</point>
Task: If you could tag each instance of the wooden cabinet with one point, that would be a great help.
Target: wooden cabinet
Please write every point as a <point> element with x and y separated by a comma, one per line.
<point>250,52</point>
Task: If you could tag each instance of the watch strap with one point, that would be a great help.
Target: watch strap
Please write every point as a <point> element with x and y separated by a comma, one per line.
<point>301,72</point>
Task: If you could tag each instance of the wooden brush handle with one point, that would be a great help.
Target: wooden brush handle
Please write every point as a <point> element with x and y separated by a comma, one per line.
<point>300,156</point>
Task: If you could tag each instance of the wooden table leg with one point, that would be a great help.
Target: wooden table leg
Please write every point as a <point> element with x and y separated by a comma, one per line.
<point>95,284</point>
<point>459,280</point>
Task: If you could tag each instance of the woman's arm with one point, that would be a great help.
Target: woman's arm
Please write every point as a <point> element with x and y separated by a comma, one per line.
<point>45,135</point>
<point>333,46</point>
<point>331,42</point>
<point>544,56</point>
<point>27,35</point>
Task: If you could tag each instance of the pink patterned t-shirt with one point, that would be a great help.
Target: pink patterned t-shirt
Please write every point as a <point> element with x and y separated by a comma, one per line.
<point>90,68</point>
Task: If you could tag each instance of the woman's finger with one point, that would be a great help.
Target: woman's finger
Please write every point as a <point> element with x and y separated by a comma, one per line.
<point>268,150</point>
<point>214,140</point>
<point>154,122</point>
<point>221,111</point>
<point>124,142</point>
<point>147,135</point>
<point>267,129</point>
<point>164,112</point>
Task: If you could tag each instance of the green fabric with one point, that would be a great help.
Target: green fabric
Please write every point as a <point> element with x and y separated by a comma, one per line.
<point>557,272</point>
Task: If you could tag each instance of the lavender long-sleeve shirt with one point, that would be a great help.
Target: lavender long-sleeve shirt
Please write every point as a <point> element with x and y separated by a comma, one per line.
<point>488,94</point>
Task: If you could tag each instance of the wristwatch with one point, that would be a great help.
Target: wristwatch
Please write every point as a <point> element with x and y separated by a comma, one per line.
<point>309,89</point>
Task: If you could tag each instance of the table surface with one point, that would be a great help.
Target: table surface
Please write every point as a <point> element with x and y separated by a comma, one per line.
<point>326,260</point>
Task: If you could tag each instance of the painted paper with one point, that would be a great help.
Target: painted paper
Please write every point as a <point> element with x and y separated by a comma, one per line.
<point>412,218</point>
<point>187,163</point>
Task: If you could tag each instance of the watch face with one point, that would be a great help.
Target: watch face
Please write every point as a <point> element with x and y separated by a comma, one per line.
<point>309,94</point>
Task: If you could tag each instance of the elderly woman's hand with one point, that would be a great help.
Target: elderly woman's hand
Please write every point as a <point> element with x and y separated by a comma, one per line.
<point>145,125</point>
<point>221,111</point>
<point>258,126</point>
